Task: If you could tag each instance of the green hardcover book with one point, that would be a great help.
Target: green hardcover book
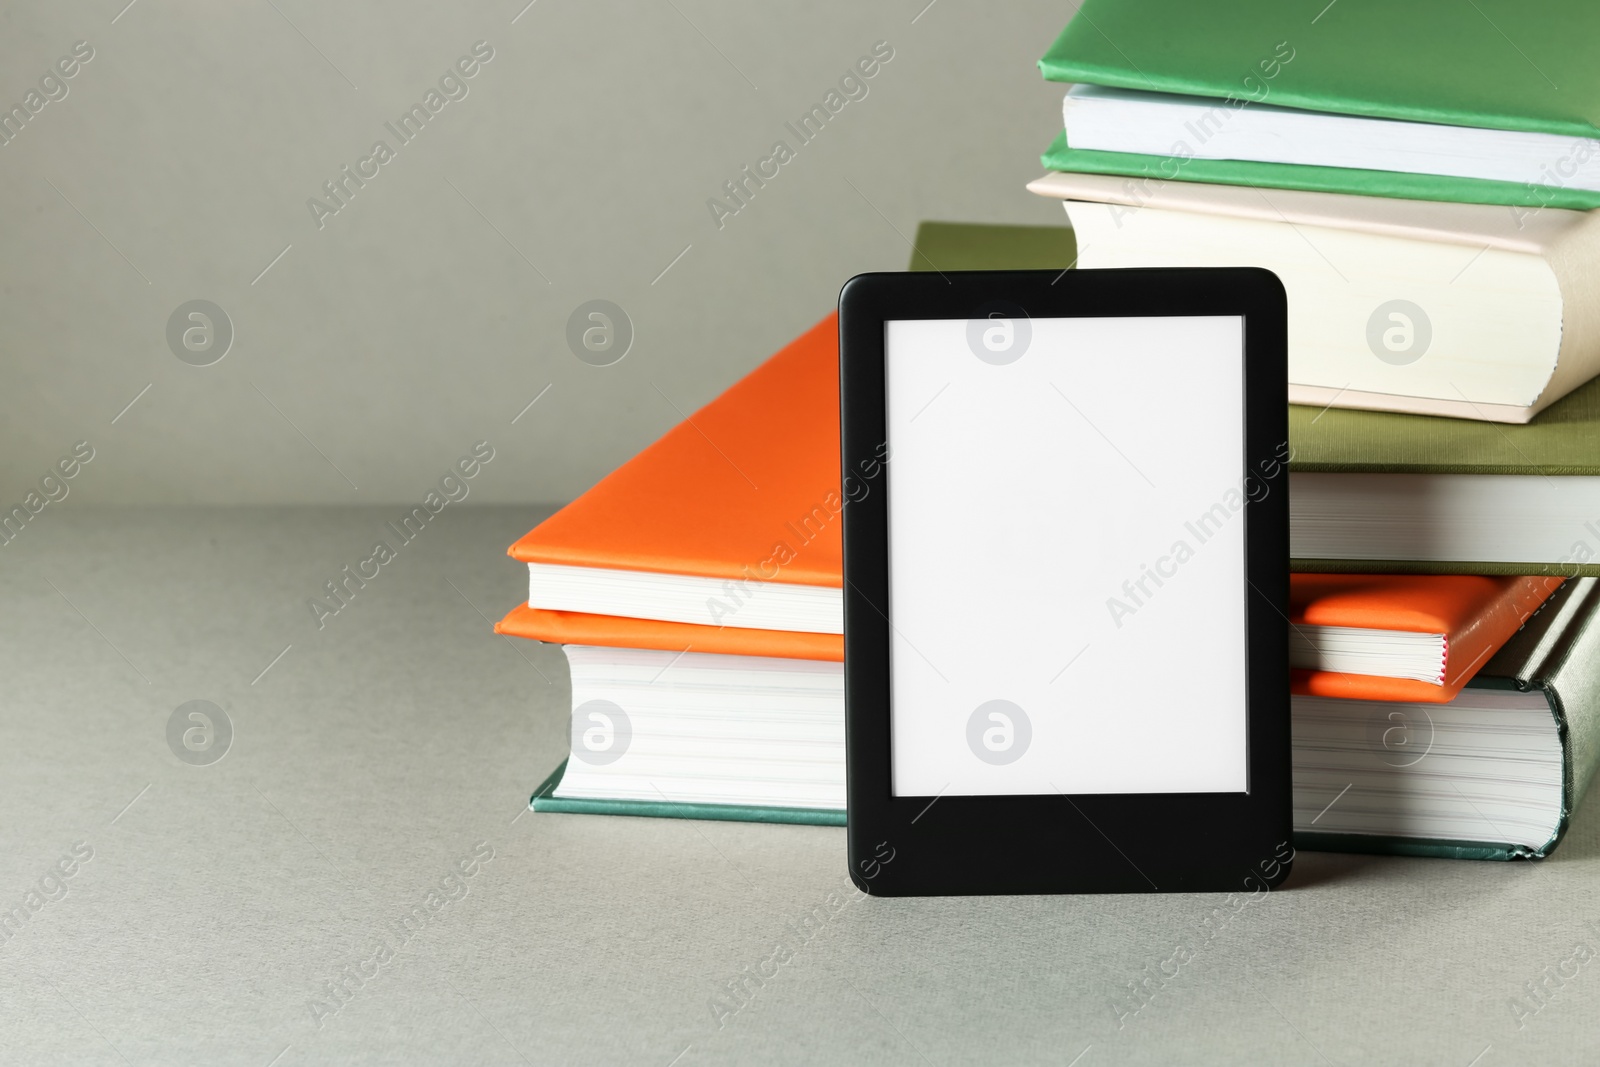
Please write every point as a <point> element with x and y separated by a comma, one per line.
<point>1377,491</point>
<point>1488,69</point>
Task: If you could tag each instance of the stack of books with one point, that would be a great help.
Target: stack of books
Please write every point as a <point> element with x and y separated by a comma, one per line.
<point>697,592</point>
<point>1429,214</point>
<point>1431,220</point>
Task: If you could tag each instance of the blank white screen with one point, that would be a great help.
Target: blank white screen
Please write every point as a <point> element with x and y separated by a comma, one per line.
<point>1028,500</point>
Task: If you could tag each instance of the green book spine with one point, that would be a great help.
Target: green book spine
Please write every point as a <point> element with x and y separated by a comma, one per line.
<point>1427,848</point>
<point>1500,64</point>
<point>1182,167</point>
<point>1558,652</point>
<point>543,799</point>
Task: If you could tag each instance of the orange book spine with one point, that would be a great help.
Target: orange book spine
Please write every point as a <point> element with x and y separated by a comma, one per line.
<point>1470,647</point>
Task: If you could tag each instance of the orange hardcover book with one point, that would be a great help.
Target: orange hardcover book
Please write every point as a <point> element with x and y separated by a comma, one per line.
<point>577,628</point>
<point>752,473</point>
<point>1406,637</point>
<point>731,522</point>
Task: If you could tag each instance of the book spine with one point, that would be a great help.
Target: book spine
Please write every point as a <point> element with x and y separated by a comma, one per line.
<point>1570,672</point>
<point>1574,258</point>
<point>1470,647</point>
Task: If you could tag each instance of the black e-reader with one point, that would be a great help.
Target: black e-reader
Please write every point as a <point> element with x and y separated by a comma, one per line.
<point>1066,588</point>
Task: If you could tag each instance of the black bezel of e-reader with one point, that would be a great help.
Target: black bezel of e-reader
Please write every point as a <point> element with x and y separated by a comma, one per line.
<point>1108,842</point>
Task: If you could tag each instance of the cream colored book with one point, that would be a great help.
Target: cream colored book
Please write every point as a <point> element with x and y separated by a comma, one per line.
<point>1466,310</point>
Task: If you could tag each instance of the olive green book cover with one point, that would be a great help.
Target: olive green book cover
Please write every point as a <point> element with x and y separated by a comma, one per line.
<point>982,246</point>
<point>1564,439</point>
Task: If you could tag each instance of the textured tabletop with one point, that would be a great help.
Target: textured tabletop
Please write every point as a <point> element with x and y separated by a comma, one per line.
<point>356,878</point>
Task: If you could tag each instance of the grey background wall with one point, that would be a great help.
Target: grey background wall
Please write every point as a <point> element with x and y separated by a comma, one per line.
<point>372,346</point>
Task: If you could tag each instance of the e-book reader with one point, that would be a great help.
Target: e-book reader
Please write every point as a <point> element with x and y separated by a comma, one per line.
<point>1066,663</point>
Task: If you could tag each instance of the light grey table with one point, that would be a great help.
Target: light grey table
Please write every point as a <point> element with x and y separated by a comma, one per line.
<point>372,759</point>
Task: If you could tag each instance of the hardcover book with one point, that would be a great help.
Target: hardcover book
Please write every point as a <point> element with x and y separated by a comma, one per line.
<point>1378,491</point>
<point>730,519</point>
<point>1413,637</point>
<point>1429,99</point>
<point>1462,310</point>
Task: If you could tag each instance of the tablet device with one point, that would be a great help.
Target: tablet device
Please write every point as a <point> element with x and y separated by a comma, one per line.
<point>1066,563</point>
